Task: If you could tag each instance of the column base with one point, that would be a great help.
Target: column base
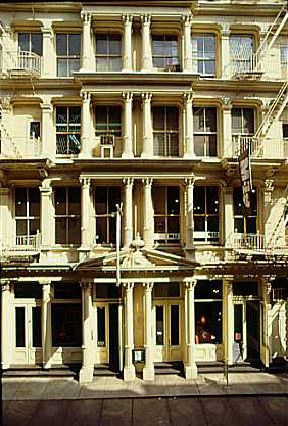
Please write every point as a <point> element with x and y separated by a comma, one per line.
<point>148,372</point>
<point>189,155</point>
<point>4,366</point>
<point>86,374</point>
<point>84,155</point>
<point>129,374</point>
<point>46,365</point>
<point>191,371</point>
<point>127,155</point>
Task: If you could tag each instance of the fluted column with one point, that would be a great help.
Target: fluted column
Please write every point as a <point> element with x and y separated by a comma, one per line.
<point>47,215</point>
<point>148,228</point>
<point>187,43</point>
<point>6,321</point>
<point>85,125</point>
<point>189,137</point>
<point>148,371</point>
<point>87,54</point>
<point>49,56</point>
<point>48,133</point>
<point>228,320</point>
<point>128,211</point>
<point>189,213</point>
<point>86,372</point>
<point>85,214</point>
<point>127,57</point>
<point>146,44</point>
<point>228,148</point>
<point>190,364</point>
<point>129,368</point>
<point>147,133</point>
<point>128,128</point>
<point>46,323</point>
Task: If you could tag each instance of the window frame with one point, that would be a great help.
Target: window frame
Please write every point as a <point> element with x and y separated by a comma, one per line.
<point>166,217</point>
<point>68,134</point>
<point>108,57</point>
<point>242,217</point>
<point>207,237</point>
<point>30,42</point>
<point>165,57</point>
<point>68,58</point>
<point>204,57</point>
<point>167,148</point>
<point>27,217</point>
<point>241,63</point>
<point>205,133</point>
<point>111,128</point>
<point>67,217</point>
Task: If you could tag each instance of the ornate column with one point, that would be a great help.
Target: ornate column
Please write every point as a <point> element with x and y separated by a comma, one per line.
<point>6,321</point>
<point>127,57</point>
<point>86,372</point>
<point>267,322</point>
<point>129,368</point>
<point>146,44</point>
<point>225,52</point>
<point>46,323</point>
<point>190,367</point>
<point>189,137</point>
<point>47,215</point>
<point>228,222</point>
<point>49,56</point>
<point>228,147</point>
<point>228,320</point>
<point>148,225</point>
<point>128,211</point>
<point>187,66</point>
<point>48,133</point>
<point>189,213</point>
<point>148,371</point>
<point>85,125</point>
<point>85,214</point>
<point>87,54</point>
<point>128,127</point>
<point>147,133</point>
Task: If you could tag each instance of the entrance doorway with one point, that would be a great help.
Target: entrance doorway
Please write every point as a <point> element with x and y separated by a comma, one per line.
<point>27,334</point>
<point>113,337</point>
<point>167,331</point>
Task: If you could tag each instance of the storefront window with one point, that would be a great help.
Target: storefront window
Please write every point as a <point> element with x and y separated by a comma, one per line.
<point>208,312</point>
<point>67,291</point>
<point>107,291</point>
<point>167,290</point>
<point>66,324</point>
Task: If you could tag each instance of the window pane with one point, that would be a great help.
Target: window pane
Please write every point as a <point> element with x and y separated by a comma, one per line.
<point>60,231</point>
<point>66,324</point>
<point>61,44</point>
<point>21,202</point>
<point>158,194</point>
<point>62,68</point>
<point>23,41</point>
<point>208,320</point>
<point>211,119</point>
<point>212,196</point>
<point>159,325</point>
<point>208,289</point>
<point>211,142</point>
<point>61,116</point>
<point>101,326</point>
<point>199,145</point>
<point>248,120</point>
<point>114,197</point>
<point>173,200</point>
<point>67,291</point>
<point>34,202</point>
<point>236,120</point>
<point>158,118</point>
<point>60,201</point>
<point>36,43</point>
<point>199,200</point>
<point>101,44</point>
<point>74,201</point>
<point>101,230</point>
<point>36,325</point>
<point>198,119</point>
<point>174,322</point>
<point>74,65</point>
<point>172,118</point>
<point>27,291</point>
<point>115,45</point>
<point>34,226</point>
<point>173,225</point>
<point>20,326</point>
<point>101,201</point>
<point>74,44</point>
<point>74,230</point>
<point>21,227</point>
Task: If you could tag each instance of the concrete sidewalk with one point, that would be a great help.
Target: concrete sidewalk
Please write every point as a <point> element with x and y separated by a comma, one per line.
<point>164,386</point>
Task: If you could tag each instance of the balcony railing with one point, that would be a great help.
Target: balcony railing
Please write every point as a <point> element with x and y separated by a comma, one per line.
<point>21,61</point>
<point>23,245</point>
<point>243,142</point>
<point>249,241</point>
<point>244,63</point>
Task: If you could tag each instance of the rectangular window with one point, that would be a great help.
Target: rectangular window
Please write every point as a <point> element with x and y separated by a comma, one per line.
<point>66,324</point>
<point>171,290</point>
<point>208,312</point>
<point>174,322</point>
<point>68,130</point>
<point>101,326</point>
<point>67,215</point>
<point>159,325</point>
<point>27,291</point>
<point>284,60</point>
<point>30,42</point>
<point>27,215</point>
<point>203,54</point>
<point>241,50</point>
<point>107,291</point>
<point>244,224</point>
<point>35,132</point>
<point>67,291</point>
<point>242,128</point>
<point>68,51</point>
<point>205,131</point>
<point>165,52</point>
<point>166,131</point>
<point>166,202</point>
<point>36,327</point>
<point>108,121</point>
<point>206,214</point>
<point>108,52</point>
<point>106,199</point>
<point>20,324</point>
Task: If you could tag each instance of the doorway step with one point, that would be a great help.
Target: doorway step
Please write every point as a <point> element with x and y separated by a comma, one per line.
<point>219,367</point>
<point>37,371</point>
<point>102,370</point>
<point>175,368</point>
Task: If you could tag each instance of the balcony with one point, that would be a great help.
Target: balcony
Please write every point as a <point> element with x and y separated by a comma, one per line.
<point>245,65</point>
<point>24,245</point>
<point>21,64</point>
<point>242,142</point>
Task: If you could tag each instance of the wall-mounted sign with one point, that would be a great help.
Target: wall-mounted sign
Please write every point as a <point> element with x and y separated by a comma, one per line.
<point>246,180</point>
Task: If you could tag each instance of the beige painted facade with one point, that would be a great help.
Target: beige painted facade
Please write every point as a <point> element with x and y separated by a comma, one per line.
<point>146,106</point>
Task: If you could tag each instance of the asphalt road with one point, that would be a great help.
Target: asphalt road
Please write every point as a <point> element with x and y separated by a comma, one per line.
<point>177,411</point>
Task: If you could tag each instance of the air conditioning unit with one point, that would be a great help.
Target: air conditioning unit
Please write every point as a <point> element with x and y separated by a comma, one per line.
<point>107,140</point>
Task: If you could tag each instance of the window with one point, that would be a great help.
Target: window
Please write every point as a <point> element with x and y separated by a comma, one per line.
<point>208,312</point>
<point>67,291</point>
<point>68,48</point>
<point>205,131</point>
<point>27,291</point>
<point>108,52</point>
<point>106,199</point>
<point>166,214</point>
<point>107,291</point>
<point>165,52</point>
<point>166,290</point>
<point>285,130</point>
<point>206,214</point>
<point>35,130</point>
<point>30,42</point>
<point>241,49</point>
<point>203,54</point>
<point>244,224</point>
<point>242,127</point>
<point>108,120</point>
<point>284,60</point>
<point>166,131</point>
<point>67,215</point>
<point>66,324</point>
<point>68,130</point>
<point>27,215</point>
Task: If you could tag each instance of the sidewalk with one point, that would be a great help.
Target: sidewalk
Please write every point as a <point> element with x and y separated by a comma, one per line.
<point>164,386</point>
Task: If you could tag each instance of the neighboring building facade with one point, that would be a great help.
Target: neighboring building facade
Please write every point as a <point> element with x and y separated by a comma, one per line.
<point>147,107</point>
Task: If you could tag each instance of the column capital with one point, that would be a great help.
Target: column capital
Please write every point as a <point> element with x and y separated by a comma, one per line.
<point>128,181</point>
<point>46,107</point>
<point>86,96</point>
<point>148,286</point>
<point>146,96</point>
<point>146,19</point>
<point>225,30</point>
<point>190,283</point>
<point>46,188</point>
<point>127,18</point>
<point>85,182</point>
<point>226,103</point>
<point>86,17</point>
<point>47,32</point>
<point>188,96</point>
<point>5,285</point>
<point>86,285</point>
<point>128,96</point>
<point>187,19</point>
<point>147,181</point>
<point>128,285</point>
<point>190,181</point>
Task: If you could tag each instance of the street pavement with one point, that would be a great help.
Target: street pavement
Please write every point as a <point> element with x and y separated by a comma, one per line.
<point>248,399</point>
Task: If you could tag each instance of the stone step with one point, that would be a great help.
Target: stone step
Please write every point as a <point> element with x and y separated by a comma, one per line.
<point>39,371</point>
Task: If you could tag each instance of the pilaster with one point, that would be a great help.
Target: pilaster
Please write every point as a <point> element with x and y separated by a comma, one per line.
<point>190,367</point>
<point>228,221</point>
<point>148,371</point>
<point>128,211</point>
<point>48,133</point>
<point>86,372</point>
<point>128,129</point>
<point>189,137</point>
<point>147,134</point>
<point>47,215</point>
<point>127,57</point>
<point>6,321</point>
<point>187,66</point>
<point>46,323</point>
<point>225,51</point>
<point>228,320</point>
<point>49,56</point>
<point>228,148</point>
<point>148,228</point>
<point>85,214</point>
<point>129,368</point>
<point>85,125</point>
<point>189,213</point>
<point>87,50</point>
<point>146,44</point>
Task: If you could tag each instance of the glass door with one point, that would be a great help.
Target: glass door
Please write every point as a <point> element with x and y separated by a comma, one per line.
<point>167,331</point>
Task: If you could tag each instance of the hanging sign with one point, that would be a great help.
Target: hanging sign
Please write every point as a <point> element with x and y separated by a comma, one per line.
<point>246,181</point>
